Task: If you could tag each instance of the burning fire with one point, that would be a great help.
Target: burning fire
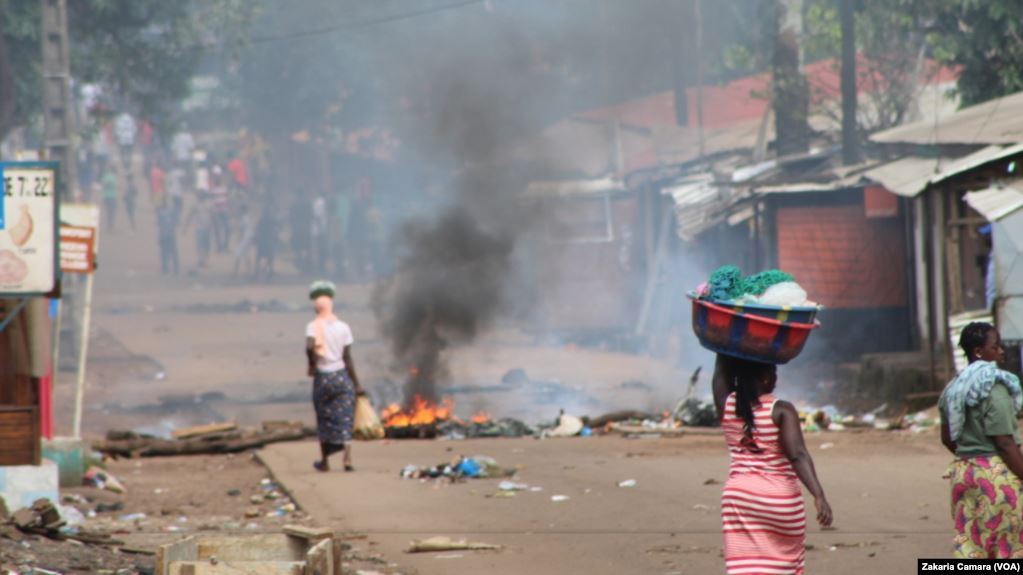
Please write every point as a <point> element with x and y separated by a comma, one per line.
<point>481,417</point>
<point>421,412</point>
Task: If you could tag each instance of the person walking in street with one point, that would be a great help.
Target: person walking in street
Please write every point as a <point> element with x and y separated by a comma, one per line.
<point>157,183</point>
<point>762,510</point>
<point>109,183</point>
<point>246,241</point>
<point>300,227</point>
<point>335,383</point>
<point>202,216</point>
<point>166,229</point>
<point>318,232</point>
<point>979,426</point>
<point>221,208</point>
<point>266,244</point>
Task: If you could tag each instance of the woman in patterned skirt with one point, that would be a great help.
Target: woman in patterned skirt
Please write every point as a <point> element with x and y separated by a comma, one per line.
<point>335,383</point>
<point>762,511</point>
<point>978,425</point>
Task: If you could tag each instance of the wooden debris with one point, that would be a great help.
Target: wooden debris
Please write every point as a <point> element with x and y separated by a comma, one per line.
<point>136,550</point>
<point>138,446</point>
<point>308,533</point>
<point>615,417</point>
<point>201,430</point>
<point>442,543</point>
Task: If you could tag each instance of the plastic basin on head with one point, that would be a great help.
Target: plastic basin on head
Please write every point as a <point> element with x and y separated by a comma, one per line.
<point>732,332</point>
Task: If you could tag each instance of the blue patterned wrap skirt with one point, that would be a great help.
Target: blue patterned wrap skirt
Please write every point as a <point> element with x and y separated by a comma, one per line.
<point>334,400</point>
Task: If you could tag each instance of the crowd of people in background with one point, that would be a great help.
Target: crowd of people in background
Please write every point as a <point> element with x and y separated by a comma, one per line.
<point>210,194</point>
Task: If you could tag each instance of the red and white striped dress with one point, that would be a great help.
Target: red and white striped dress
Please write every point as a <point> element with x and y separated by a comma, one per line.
<point>762,510</point>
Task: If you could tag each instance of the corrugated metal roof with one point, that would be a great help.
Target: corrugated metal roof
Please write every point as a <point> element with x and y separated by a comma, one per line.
<point>907,176</point>
<point>995,202</point>
<point>997,121</point>
<point>911,175</point>
<point>699,204</point>
<point>976,160</point>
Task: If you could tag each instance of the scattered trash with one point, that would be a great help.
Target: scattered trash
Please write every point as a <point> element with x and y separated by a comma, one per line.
<point>506,427</point>
<point>256,499</point>
<point>233,493</point>
<point>71,516</point>
<point>627,483</point>
<point>712,481</point>
<point>827,445</point>
<point>133,517</point>
<point>109,507</point>
<point>442,543</point>
<point>701,507</point>
<point>512,486</point>
<point>100,478</point>
<point>559,498</point>
<point>568,425</point>
<point>477,466</point>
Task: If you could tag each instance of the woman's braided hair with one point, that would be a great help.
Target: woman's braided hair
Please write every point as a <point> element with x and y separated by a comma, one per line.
<point>748,375</point>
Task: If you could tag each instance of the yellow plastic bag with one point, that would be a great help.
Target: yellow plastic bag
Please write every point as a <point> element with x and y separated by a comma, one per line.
<point>367,423</point>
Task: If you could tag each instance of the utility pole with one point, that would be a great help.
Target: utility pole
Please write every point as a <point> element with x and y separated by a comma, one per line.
<point>698,16</point>
<point>791,94</point>
<point>850,141</point>
<point>57,112</point>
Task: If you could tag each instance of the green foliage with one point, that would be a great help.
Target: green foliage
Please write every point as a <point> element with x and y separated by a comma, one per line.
<point>145,51</point>
<point>985,38</point>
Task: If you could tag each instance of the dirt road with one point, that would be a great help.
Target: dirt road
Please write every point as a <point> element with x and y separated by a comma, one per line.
<point>889,501</point>
<point>192,334</point>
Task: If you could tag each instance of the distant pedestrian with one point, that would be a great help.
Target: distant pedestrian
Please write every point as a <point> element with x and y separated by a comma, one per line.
<point>246,242</point>
<point>157,183</point>
<point>335,383</point>
<point>125,130</point>
<point>979,410</point>
<point>300,226</point>
<point>166,226</point>
<point>110,196</point>
<point>202,217</point>
<point>176,190</point>
<point>762,509</point>
<point>318,232</point>
<point>182,146</point>
<point>221,212</point>
<point>266,244</point>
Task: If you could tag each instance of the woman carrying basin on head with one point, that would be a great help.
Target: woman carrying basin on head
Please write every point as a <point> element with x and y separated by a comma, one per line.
<point>978,425</point>
<point>335,383</point>
<point>762,510</point>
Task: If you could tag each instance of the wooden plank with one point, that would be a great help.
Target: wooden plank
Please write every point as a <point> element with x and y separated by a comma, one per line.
<point>320,559</point>
<point>183,550</point>
<point>272,547</point>
<point>237,568</point>
<point>308,533</point>
<point>200,430</point>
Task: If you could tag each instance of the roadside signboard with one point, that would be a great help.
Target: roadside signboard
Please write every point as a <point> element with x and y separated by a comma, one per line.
<point>79,231</point>
<point>28,230</point>
<point>76,249</point>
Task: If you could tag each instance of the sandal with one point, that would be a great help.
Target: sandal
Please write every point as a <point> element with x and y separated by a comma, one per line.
<point>349,467</point>
<point>320,466</point>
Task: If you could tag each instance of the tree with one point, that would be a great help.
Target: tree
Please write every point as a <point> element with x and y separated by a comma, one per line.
<point>891,67</point>
<point>145,51</point>
<point>985,39</point>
